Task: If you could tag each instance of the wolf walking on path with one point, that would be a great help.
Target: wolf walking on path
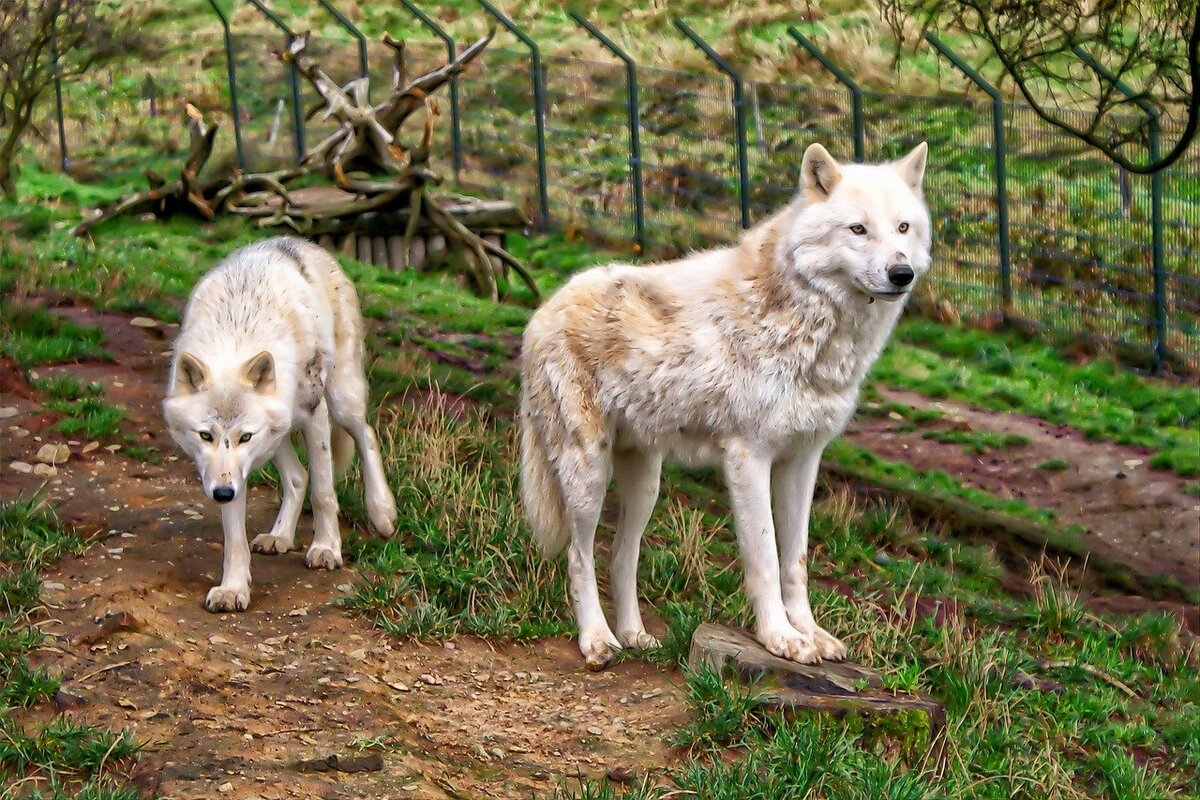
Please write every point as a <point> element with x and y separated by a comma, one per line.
<point>749,357</point>
<point>272,342</point>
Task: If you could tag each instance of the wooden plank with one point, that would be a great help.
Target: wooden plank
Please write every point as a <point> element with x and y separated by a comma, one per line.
<point>348,245</point>
<point>364,249</point>
<point>379,253</point>
<point>416,253</point>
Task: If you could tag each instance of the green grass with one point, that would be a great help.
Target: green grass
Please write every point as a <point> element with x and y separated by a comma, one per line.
<point>979,442</point>
<point>67,759</point>
<point>461,562</point>
<point>32,336</point>
<point>1007,373</point>
<point>1053,465</point>
<point>88,417</point>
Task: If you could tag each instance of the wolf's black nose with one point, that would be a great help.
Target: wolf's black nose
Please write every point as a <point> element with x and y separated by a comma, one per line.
<point>900,274</point>
<point>223,494</point>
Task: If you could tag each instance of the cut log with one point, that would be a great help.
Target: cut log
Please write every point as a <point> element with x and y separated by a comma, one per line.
<point>397,257</point>
<point>349,245</point>
<point>416,254</point>
<point>435,251</point>
<point>326,241</point>
<point>379,252</point>
<point>364,249</point>
<point>836,687</point>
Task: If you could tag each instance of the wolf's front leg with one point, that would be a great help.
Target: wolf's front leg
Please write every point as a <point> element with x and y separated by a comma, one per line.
<point>792,484</point>
<point>292,480</point>
<point>233,594</point>
<point>748,474</point>
<point>325,552</point>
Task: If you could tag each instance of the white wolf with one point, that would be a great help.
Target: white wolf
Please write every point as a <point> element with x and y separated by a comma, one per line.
<point>271,342</point>
<point>749,357</point>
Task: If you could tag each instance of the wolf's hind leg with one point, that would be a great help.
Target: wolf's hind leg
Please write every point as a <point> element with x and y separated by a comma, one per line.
<point>792,484</point>
<point>292,481</point>
<point>325,552</point>
<point>233,593</point>
<point>584,472</point>
<point>348,395</point>
<point>637,477</point>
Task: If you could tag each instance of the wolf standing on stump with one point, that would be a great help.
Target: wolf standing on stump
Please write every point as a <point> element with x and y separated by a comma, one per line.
<point>749,357</point>
<point>272,342</point>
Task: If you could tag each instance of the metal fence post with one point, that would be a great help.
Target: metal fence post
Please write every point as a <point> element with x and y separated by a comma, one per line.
<point>352,29</point>
<point>455,129</point>
<point>231,75</point>
<point>998,146</point>
<point>739,115</point>
<point>635,140</point>
<point>1157,249</point>
<point>63,161</point>
<point>856,100</point>
<point>539,103</point>
<point>293,76</point>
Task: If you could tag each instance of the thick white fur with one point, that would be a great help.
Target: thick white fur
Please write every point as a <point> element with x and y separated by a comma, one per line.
<point>749,357</point>
<point>272,342</point>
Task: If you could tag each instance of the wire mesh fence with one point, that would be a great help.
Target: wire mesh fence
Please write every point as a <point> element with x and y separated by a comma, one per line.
<point>1080,230</point>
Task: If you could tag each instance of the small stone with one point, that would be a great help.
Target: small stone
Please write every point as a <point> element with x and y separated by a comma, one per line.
<point>53,586</point>
<point>359,654</point>
<point>8,412</point>
<point>64,700</point>
<point>45,470</point>
<point>227,786</point>
<point>298,612</point>
<point>53,453</point>
<point>431,680</point>
<point>621,774</point>
<point>89,447</point>
<point>112,448</point>
<point>882,559</point>
<point>143,322</point>
<point>594,731</point>
<point>217,638</point>
<point>21,467</point>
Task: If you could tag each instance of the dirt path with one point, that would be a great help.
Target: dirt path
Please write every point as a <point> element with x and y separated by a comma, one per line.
<point>1105,487</point>
<point>228,705</point>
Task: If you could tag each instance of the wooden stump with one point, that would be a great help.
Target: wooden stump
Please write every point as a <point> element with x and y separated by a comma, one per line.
<point>379,255</point>
<point>364,249</point>
<point>348,245</point>
<point>835,687</point>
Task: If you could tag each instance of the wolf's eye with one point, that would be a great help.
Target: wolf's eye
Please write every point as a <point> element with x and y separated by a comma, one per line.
<point>858,229</point>
<point>245,438</point>
<point>904,227</point>
<point>206,436</point>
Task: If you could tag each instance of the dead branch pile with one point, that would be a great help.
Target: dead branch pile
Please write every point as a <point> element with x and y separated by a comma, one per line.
<point>363,158</point>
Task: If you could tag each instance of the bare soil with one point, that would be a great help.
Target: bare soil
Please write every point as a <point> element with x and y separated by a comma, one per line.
<point>231,704</point>
<point>1108,489</point>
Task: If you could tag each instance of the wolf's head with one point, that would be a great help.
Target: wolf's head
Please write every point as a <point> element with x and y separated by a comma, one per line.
<point>228,419</point>
<point>861,228</point>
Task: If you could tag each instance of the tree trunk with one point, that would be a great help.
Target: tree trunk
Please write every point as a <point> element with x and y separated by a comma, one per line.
<point>9,148</point>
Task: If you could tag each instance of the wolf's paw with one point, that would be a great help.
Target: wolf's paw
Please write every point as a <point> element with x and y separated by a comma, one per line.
<point>598,647</point>
<point>322,557</point>
<point>227,598</point>
<point>790,644</point>
<point>830,646</point>
<point>381,517</point>
<point>638,640</point>
<point>270,544</point>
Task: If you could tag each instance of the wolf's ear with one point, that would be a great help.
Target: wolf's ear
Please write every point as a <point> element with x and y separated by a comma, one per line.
<point>912,166</point>
<point>259,372</point>
<point>819,173</point>
<point>190,375</point>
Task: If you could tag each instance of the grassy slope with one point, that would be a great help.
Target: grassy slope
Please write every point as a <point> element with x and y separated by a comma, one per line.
<point>461,563</point>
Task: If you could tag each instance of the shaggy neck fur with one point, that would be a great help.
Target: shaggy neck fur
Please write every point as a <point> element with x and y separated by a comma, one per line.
<point>835,331</point>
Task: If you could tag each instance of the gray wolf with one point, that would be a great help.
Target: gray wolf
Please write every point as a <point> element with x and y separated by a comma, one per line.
<point>747,357</point>
<point>272,342</point>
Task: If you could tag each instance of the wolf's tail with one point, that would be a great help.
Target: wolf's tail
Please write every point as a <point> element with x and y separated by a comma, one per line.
<point>342,447</point>
<point>541,492</point>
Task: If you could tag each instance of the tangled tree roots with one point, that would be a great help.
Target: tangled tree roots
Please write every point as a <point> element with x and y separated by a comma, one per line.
<point>363,158</point>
